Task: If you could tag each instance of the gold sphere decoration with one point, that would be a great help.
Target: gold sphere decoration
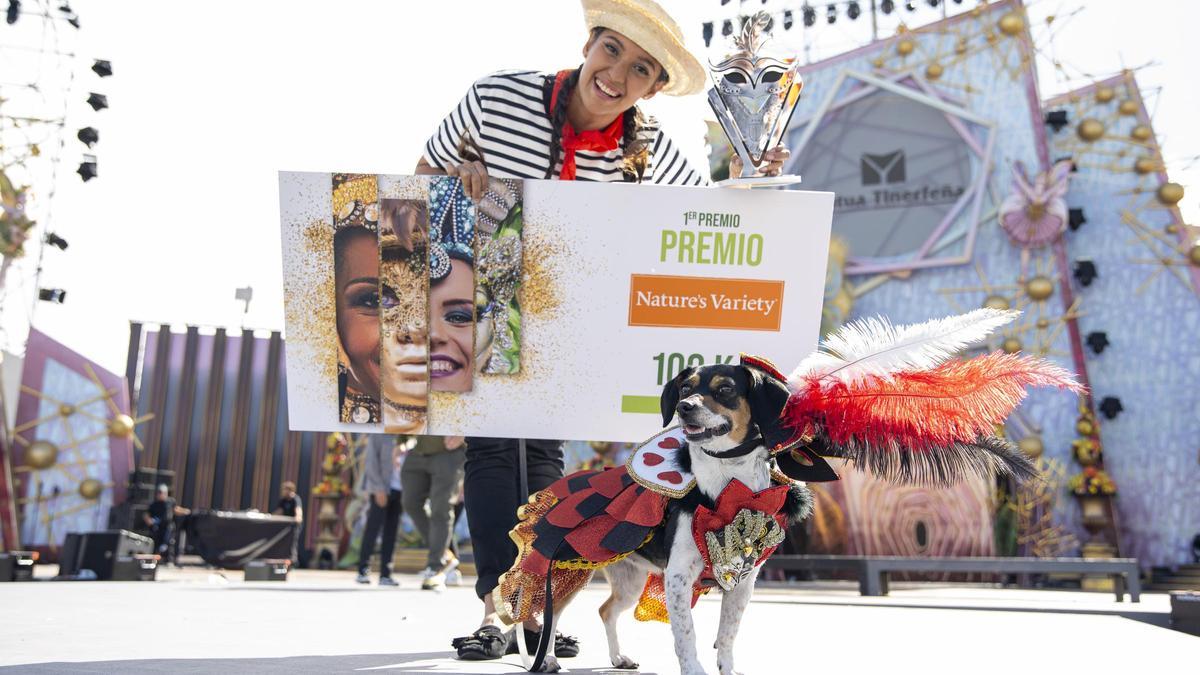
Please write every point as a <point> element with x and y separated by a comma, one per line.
<point>41,454</point>
<point>66,410</point>
<point>1105,94</point>
<point>905,47</point>
<point>1141,133</point>
<point>1011,345</point>
<point>1032,446</point>
<point>1170,193</point>
<point>1194,255</point>
<point>934,70</point>
<point>1011,24</point>
<point>997,302</point>
<point>1039,288</point>
<point>91,488</point>
<point>1090,129</point>
<point>1084,427</point>
<point>1043,324</point>
<point>960,47</point>
<point>121,426</point>
<point>1145,165</point>
<point>1128,107</point>
<point>878,63</point>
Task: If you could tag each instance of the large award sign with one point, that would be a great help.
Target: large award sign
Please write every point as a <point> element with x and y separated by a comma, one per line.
<point>550,309</point>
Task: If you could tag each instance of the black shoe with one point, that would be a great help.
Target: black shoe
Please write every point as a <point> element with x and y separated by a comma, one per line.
<point>565,646</point>
<point>483,645</point>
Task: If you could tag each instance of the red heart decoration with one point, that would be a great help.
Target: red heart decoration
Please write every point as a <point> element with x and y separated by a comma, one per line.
<point>653,459</point>
<point>670,443</point>
<point>671,477</point>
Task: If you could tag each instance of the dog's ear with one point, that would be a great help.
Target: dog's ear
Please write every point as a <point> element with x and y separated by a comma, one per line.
<point>670,396</point>
<point>767,397</point>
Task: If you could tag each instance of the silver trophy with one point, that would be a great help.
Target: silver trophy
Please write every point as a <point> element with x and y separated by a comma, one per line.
<point>754,94</point>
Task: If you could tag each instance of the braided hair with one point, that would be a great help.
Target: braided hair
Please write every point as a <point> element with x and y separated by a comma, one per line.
<point>637,150</point>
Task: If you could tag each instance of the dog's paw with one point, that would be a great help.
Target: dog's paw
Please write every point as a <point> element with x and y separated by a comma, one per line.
<point>693,668</point>
<point>550,665</point>
<point>624,662</point>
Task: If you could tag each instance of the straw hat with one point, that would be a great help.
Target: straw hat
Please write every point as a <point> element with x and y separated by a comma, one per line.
<point>649,25</point>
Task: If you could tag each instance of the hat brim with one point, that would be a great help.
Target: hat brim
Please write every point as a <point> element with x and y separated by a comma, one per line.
<point>652,29</point>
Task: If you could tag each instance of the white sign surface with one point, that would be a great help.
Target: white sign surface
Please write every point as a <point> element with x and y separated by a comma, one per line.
<point>624,286</point>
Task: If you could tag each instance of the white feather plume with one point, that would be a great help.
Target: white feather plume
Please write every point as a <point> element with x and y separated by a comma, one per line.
<point>873,347</point>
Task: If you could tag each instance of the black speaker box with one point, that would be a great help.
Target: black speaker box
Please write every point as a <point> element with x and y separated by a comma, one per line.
<point>270,569</point>
<point>17,565</point>
<point>99,551</point>
<point>139,567</point>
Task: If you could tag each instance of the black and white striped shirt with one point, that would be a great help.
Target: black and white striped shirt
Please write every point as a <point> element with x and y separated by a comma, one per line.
<point>507,115</point>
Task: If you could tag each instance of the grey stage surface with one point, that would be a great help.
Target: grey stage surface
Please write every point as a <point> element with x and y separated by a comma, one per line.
<point>196,621</point>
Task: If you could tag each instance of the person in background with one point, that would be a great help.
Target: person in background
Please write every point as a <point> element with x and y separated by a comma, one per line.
<point>381,481</point>
<point>433,472</point>
<point>160,518</point>
<point>290,506</point>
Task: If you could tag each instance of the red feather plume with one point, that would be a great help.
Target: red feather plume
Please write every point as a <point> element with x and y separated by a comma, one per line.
<point>957,401</point>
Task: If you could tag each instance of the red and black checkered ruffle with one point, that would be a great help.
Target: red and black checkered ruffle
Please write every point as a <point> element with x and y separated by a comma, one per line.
<point>599,515</point>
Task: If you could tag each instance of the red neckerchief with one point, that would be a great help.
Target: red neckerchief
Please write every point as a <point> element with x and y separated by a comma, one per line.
<point>592,141</point>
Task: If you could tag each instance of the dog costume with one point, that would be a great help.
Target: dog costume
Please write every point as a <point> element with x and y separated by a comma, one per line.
<point>891,400</point>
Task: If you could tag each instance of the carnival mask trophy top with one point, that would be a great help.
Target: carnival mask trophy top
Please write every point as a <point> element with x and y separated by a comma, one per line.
<point>754,94</point>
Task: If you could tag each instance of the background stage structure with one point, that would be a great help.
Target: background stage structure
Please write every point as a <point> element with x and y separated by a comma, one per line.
<point>959,187</point>
<point>219,403</point>
<point>71,447</point>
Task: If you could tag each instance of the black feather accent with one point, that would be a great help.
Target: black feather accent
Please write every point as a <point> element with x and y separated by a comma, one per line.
<point>799,503</point>
<point>938,465</point>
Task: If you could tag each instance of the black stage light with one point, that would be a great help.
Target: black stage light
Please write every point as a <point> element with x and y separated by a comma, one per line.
<point>102,68</point>
<point>14,11</point>
<point>88,136</point>
<point>97,101</point>
<point>933,3</point>
<point>1075,219</point>
<point>1057,119</point>
<point>56,241</point>
<point>1085,272</point>
<point>887,6</point>
<point>1067,158</point>
<point>708,34</point>
<point>1111,407</point>
<point>831,13</point>
<point>787,19</point>
<point>55,295</point>
<point>1098,341</point>
<point>910,6</point>
<point>810,16</point>
<point>727,28</point>
<point>853,11</point>
<point>87,168</point>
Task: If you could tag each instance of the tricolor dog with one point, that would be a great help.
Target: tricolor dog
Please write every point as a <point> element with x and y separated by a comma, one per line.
<point>704,503</point>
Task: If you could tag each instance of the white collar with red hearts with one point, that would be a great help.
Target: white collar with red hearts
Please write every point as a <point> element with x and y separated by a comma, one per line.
<point>655,464</point>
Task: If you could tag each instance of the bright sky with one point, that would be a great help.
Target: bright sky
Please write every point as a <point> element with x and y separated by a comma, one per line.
<point>210,99</point>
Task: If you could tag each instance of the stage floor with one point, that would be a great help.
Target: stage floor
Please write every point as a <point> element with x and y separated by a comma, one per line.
<point>200,621</point>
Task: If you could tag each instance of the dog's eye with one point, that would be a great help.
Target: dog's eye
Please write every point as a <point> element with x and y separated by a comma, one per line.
<point>685,390</point>
<point>725,390</point>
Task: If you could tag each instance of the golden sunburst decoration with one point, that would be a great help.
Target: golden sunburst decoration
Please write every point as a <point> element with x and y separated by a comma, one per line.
<point>1033,293</point>
<point>41,454</point>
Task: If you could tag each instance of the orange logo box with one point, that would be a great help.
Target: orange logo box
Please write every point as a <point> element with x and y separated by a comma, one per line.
<point>705,302</point>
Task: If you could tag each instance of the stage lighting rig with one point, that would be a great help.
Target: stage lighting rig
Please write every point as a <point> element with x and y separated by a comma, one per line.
<point>56,241</point>
<point>97,101</point>
<point>1085,272</point>
<point>87,168</point>
<point>1098,341</point>
<point>54,295</point>
<point>1075,219</point>
<point>89,136</point>
<point>102,68</point>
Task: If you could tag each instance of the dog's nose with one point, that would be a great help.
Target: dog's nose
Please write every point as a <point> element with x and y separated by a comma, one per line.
<point>685,407</point>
